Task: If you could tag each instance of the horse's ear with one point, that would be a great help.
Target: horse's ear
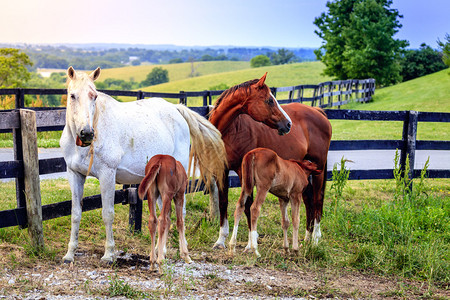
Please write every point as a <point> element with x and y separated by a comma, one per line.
<point>310,166</point>
<point>94,75</point>
<point>71,73</point>
<point>262,80</point>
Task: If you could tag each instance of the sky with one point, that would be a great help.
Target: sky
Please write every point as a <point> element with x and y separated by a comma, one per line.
<point>282,23</point>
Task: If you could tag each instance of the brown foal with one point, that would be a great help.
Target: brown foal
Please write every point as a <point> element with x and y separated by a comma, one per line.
<point>165,177</point>
<point>286,179</point>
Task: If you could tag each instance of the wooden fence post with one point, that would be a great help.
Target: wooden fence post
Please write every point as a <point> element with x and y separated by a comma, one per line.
<point>409,141</point>
<point>31,177</point>
<point>135,213</point>
<point>18,153</point>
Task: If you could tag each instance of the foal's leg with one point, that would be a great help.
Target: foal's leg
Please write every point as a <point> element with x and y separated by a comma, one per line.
<point>163,228</point>
<point>76,181</point>
<point>240,206</point>
<point>152,195</point>
<point>284,223</point>
<point>179,205</point>
<point>255,210</point>
<point>295,213</point>
<point>107,180</point>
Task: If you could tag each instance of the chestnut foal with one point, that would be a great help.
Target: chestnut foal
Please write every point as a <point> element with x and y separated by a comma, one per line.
<point>286,179</point>
<point>165,177</point>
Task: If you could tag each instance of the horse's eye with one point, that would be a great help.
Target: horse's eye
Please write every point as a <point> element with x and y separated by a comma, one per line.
<point>73,97</point>
<point>270,101</point>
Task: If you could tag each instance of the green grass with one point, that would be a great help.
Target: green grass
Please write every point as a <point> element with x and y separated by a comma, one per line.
<point>176,71</point>
<point>368,230</point>
<point>426,94</point>
<point>278,76</point>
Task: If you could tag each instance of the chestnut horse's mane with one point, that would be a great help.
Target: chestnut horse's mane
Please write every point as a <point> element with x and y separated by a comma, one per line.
<point>245,85</point>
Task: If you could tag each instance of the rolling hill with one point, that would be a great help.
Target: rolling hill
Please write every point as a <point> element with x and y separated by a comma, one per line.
<point>176,71</point>
<point>427,93</point>
<point>280,75</point>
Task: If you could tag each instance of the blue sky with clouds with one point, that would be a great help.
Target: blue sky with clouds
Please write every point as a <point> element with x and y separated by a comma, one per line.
<point>197,22</point>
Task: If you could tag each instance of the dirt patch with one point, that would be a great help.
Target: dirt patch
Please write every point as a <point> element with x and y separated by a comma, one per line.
<point>131,277</point>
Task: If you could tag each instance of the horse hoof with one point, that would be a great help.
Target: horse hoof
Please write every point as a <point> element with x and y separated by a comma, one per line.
<point>219,246</point>
<point>153,267</point>
<point>188,260</point>
<point>107,262</point>
<point>67,261</point>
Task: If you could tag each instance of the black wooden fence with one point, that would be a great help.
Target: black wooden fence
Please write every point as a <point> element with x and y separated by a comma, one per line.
<point>49,119</point>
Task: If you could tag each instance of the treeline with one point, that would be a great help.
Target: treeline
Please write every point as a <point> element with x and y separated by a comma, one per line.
<point>60,57</point>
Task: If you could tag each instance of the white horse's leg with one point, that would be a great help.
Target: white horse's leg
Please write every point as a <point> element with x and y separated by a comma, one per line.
<point>159,202</point>
<point>316,235</point>
<point>76,181</point>
<point>107,186</point>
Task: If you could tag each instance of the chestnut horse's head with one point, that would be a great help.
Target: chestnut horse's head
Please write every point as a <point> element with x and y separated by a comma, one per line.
<point>263,107</point>
<point>81,97</point>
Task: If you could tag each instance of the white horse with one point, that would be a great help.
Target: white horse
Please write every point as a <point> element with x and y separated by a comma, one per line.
<point>113,141</point>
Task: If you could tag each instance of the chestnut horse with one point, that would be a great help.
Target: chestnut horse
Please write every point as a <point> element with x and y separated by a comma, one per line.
<point>165,177</point>
<point>286,179</point>
<point>249,116</point>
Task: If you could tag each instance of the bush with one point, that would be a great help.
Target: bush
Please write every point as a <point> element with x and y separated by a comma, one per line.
<point>156,76</point>
<point>260,61</point>
<point>421,62</point>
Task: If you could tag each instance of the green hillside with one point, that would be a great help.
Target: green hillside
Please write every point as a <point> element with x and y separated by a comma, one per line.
<point>176,71</point>
<point>280,75</point>
<point>428,93</point>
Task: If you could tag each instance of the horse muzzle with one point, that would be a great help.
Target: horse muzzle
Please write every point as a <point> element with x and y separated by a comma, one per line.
<point>85,138</point>
<point>284,127</point>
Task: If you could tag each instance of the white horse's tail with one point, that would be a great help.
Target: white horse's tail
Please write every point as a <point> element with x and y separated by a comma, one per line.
<point>207,148</point>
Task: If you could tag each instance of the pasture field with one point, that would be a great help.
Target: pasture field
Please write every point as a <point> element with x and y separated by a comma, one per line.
<point>428,93</point>
<point>376,244</point>
<point>281,75</point>
<point>176,71</point>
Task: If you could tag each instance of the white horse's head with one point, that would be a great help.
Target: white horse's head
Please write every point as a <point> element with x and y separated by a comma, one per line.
<point>81,97</point>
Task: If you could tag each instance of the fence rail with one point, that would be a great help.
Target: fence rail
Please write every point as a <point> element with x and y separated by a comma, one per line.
<point>325,94</point>
<point>50,119</point>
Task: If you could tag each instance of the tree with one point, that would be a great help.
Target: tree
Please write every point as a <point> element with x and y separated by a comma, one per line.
<point>156,76</point>
<point>282,56</point>
<point>135,62</point>
<point>358,40</point>
<point>207,57</point>
<point>260,61</point>
<point>421,62</point>
<point>175,61</point>
<point>13,68</point>
<point>445,50</point>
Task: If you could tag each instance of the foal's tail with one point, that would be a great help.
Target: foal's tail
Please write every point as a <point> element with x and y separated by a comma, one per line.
<point>148,179</point>
<point>248,172</point>
<point>207,148</point>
